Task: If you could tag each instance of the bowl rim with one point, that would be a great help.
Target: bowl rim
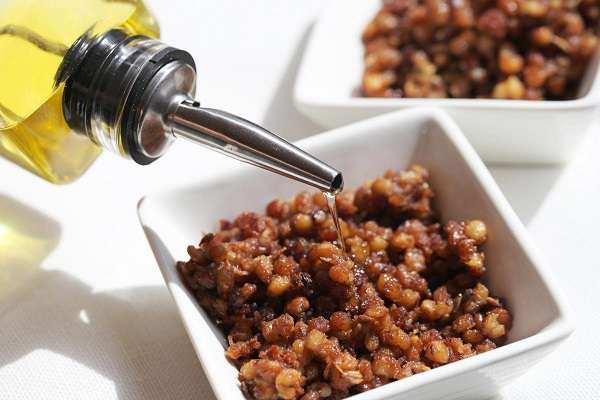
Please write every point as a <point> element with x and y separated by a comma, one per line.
<point>303,98</point>
<point>557,329</point>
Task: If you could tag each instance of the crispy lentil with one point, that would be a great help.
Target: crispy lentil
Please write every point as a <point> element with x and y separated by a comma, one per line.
<point>306,321</point>
<point>505,49</point>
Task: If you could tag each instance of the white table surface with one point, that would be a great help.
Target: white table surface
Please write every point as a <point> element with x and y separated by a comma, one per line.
<point>84,313</point>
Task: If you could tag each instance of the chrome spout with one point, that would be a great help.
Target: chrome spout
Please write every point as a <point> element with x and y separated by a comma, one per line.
<point>248,142</point>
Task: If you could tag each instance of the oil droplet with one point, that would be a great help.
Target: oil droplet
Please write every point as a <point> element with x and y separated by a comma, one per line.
<point>336,221</point>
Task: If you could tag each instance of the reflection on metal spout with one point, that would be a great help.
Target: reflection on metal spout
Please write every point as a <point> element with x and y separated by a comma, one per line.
<point>248,142</point>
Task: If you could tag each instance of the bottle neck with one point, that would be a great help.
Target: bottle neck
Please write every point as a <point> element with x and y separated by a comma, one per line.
<point>119,88</point>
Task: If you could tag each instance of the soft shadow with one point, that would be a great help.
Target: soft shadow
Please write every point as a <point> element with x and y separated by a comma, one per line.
<point>27,237</point>
<point>131,339</point>
<point>281,116</point>
<point>526,187</point>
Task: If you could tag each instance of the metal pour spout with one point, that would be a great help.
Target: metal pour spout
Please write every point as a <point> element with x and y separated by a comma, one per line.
<point>248,142</point>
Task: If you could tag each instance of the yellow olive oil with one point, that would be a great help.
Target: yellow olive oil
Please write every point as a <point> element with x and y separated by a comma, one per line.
<point>330,197</point>
<point>34,38</point>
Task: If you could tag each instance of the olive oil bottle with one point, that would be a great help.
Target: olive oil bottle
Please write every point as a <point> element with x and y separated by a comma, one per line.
<point>80,75</point>
<point>34,39</point>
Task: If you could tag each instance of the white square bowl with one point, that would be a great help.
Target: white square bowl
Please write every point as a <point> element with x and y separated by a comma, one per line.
<point>504,131</point>
<point>464,189</point>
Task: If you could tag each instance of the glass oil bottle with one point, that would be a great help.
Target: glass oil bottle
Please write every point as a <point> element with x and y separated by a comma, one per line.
<point>34,39</point>
<point>80,75</point>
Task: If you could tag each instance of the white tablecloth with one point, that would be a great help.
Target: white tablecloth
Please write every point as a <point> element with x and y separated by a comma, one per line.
<point>83,310</point>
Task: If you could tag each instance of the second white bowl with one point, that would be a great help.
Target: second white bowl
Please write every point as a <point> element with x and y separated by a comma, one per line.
<point>505,131</point>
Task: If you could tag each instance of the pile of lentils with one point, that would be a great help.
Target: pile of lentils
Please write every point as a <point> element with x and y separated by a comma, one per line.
<point>304,320</point>
<point>503,49</point>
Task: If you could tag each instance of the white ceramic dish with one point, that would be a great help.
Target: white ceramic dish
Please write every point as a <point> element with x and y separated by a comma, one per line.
<point>464,189</point>
<point>500,130</point>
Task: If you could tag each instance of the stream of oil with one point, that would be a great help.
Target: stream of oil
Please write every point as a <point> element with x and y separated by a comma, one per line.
<point>336,221</point>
